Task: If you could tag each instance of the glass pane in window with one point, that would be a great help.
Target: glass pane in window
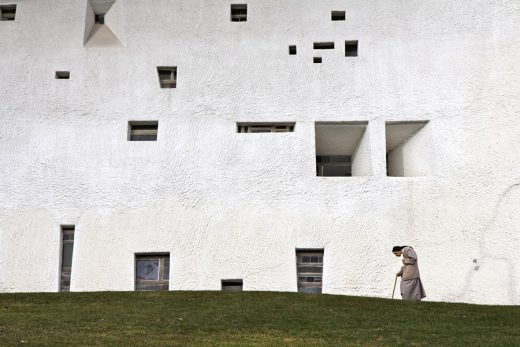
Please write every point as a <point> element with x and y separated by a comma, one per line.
<point>66,260</point>
<point>166,273</point>
<point>147,269</point>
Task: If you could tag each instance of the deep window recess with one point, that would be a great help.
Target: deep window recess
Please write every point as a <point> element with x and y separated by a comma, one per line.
<point>351,48</point>
<point>152,271</point>
<point>239,13</point>
<point>167,76</point>
<point>142,131</point>
<point>323,45</point>
<point>309,269</point>
<point>337,15</point>
<point>265,127</point>
<point>7,12</point>
<point>232,285</point>
<point>317,60</point>
<point>62,75</point>
<point>67,247</point>
<point>292,50</point>
<point>99,18</point>
<point>333,165</point>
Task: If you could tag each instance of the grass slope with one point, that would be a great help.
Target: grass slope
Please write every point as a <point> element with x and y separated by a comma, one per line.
<point>248,319</point>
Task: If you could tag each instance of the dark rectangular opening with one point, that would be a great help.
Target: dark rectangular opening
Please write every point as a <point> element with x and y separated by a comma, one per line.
<point>62,75</point>
<point>309,270</point>
<point>333,165</point>
<point>67,248</point>
<point>323,45</point>
<point>351,48</point>
<point>317,60</point>
<point>142,130</point>
<point>235,285</point>
<point>239,12</point>
<point>265,127</point>
<point>337,15</point>
<point>100,18</point>
<point>152,271</point>
<point>167,76</point>
<point>292,50</point>
<point>7,12</point>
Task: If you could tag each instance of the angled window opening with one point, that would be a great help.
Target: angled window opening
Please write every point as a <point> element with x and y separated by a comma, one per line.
<point>351,48</point>
<point>142,130</point>
<point>309,270</point>
<point>239,12</point>
<point>316,60</point>
<point>7,12</point>
<point>99,18</point>
<point>62,75</point>
<point>152,271</point>
<point>67,248</point>
<point>234,285</point>
<point>323,45</point>
<point>292,50</point>
<point>265,127</point>
<point>167,76</point>
<point>337,15</point>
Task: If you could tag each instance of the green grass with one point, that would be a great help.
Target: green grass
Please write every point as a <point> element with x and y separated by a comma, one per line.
<point>248,319</point>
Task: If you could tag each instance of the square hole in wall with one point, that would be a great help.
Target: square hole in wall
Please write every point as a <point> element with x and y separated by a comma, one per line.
<point>323,45</point>
<point>337,15</point>
<point>342,149</point>
<point>235,285</point>
<point>351,48</point>
<point>167,76</point>
<point>142,130</point>
<point>292,50</point>
<point>316,60</point>
<point>7,12</point>
<point>239,13</point>
<point>62,75</point>
<point>409,149</point>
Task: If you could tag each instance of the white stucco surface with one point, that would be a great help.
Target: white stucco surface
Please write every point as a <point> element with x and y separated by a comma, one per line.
<point>230,205</point>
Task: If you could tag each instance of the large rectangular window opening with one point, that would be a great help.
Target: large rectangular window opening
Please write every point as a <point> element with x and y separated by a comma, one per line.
<point>67,248</point>
<point>234,285</point>
<point>167,76</point>
<point>343,149</point>
<point>265,127</point>
<point>239,13</point>
<point>309,269</point>
<point>142,130</point>
<point>7,12</point>
<point>152,272</point>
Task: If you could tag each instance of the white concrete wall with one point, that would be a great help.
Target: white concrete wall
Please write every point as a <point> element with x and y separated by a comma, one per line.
<point>228,205</point>
<point>362,158</point>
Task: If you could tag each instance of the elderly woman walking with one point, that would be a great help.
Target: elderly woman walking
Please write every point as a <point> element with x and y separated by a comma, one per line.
<point>411,285</point>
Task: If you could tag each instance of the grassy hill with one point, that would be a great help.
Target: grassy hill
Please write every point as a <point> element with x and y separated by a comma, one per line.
<point>248,319</point>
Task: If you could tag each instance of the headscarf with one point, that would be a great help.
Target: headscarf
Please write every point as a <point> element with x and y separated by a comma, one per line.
<point>399,248</point>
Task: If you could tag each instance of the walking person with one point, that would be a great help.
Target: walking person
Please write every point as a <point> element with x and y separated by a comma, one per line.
<point>411,285</point>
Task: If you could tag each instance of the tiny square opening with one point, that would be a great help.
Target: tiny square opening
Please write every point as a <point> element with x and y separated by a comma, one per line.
<point>337,15</point>
<point>351,48</point>
<point>239,12</point>
<point>235,285</point>
<point>7,12</point>
<point>292,50</point>
<point>167,76</point>
<point>317,60</point>
<point>62,75</point>
<point>100,18</point>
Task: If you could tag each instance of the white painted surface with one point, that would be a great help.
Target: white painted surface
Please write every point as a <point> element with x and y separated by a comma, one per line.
<point>228,205</point>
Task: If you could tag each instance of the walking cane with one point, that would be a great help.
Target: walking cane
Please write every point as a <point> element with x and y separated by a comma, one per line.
<point>393,291</point>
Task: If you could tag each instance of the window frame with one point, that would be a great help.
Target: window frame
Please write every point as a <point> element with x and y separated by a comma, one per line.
<point>163,278</point>
<point>6,11</point>
<point>241,16</point>
<point>171,81</point>
<point>315,286</point>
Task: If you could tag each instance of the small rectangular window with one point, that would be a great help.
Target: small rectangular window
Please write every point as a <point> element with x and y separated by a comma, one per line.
<point>152,272</point>
<point>317,60</point>
<point>7,12</point>
<point>323,45</point>
<point>239,13</point>
<point>337,15</point>
<point>99,18</point>
<point>67,248</point>
<point>232,285</point>
<point>309,270</point>
<point>333,165</point>
<point>62,75</point>
<point>142,130</point>
<point>167,76</point>
<point>292,50</point>
<point>265,127</point>
<point>351,48</point>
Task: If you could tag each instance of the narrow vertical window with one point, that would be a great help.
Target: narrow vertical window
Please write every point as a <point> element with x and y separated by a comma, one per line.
<point>143,130</point>
<point>351,48</point>
<point>152,272</point>
<point>67,248</point>
<point>232,285</point>
<point>239,13</point>
<point>337,15</point>
<point>309,269</point>
<point>167,76</point>
<point>7,12</point>
<point>292,50</point>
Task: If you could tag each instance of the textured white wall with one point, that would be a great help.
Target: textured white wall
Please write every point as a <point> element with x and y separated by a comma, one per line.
<point>228,205</point>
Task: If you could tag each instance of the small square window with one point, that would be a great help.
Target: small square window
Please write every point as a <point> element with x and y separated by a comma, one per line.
<point>142,131</point>
<point>7,12</point>
<point>100,18</point>
<point>232,285</point>
<point>292,50</point>
<point>152,272</point>
<point>351,48</point>
<point>337,15</point>
<point>62,75</point>
<point>167,76</point>
<point>317,60</point>
<point>239,13</point>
